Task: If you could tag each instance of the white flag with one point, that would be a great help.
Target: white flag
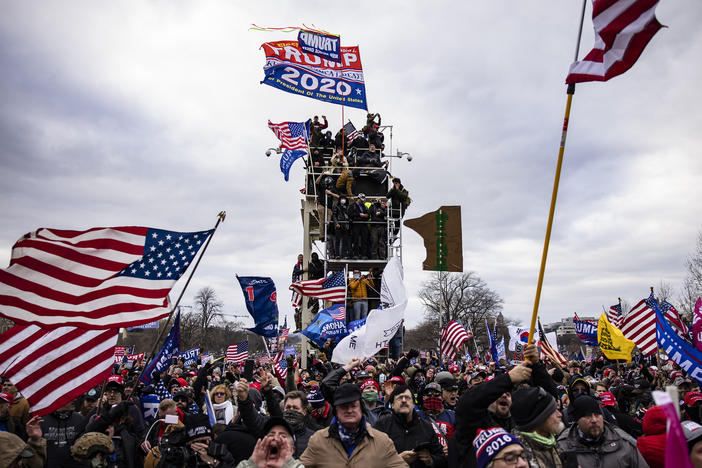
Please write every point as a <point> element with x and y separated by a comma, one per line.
<point>381,324</point>
<point>518,337</point>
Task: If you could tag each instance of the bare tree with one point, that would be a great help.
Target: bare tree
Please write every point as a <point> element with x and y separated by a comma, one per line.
<point>205,314</point>
<point>459,296</point>
<point>664,291</point>
<point>692,284</point>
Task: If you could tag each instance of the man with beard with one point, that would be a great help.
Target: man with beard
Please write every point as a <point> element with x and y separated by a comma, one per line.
<point>61,428</point>
<point>414,438</point>
<point>595,442</point>
<point>538,423</point>
<point>488,405</point>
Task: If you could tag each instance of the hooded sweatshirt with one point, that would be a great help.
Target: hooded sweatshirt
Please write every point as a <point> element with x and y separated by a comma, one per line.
<point>652,443</point>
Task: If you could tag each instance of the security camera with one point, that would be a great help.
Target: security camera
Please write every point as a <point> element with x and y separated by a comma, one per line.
<point>409,157</point>
<point>268,153</point>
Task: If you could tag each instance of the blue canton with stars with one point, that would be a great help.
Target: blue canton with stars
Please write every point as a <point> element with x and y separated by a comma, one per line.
<point>336,280</point>
<point>167,254</point>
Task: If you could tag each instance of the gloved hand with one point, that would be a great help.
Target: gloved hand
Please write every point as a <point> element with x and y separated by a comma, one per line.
<point>412,353</point>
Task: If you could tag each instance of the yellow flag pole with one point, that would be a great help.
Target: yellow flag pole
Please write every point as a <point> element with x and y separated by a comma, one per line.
<point>554,195</point>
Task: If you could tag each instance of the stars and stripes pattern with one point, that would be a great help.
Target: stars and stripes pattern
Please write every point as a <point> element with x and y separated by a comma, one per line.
<point>453,336</point>
<point>98,278</point>
<point>332,288</point>
<point>549,351</point>
<point>280,365</point>
<point>237,353</point>
<point>292,135</point>
<point>338,313</point>
<point>614,315</point>
<point>52,367</point>
<point>623,28</point>
<point>639,325</point>
<point>673,317</point>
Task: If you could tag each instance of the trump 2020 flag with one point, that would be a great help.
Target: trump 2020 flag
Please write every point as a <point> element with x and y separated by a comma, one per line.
<point>99,278</point>
<point>170,348</point>
<point>326,324</point>
<point>677,349</point>
<point>586,331</point>
<point>261,301</point>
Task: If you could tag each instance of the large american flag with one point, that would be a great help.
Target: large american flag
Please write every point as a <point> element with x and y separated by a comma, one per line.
<point>614,315</point>
<point>99,278</point>
<point>332,288</point>
<point>292,135</point>
<point>237,353</point>
<point>623,28</point>
<point>453,336</point>
<point>52,367</point>
<point>639,325</point>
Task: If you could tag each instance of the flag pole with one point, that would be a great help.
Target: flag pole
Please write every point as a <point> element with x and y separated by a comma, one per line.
<point>220,217</point>
<point>549,225</point>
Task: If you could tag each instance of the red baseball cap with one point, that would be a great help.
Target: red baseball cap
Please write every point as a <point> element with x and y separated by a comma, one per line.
<point>607,399</point>
<point>693,397</point>
<point>370,383</point>
<point>397,379</point>
<point>7,397</point>
<point>116,380</point>
<point>453,368</point>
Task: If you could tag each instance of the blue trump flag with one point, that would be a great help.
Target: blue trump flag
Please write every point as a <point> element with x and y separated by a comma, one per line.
<point>261,301</point>
<point>493,343</point>
<point>586,330</point>
<point>287,160</point>
<point>355,325</point>
<point>171,347</point>
<point>677,349</point>
<point>325,326</point>
<point>149,406</point>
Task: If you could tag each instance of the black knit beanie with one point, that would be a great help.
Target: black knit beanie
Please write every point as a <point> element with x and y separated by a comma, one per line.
<point>531,406</point>
<point>585,405</point>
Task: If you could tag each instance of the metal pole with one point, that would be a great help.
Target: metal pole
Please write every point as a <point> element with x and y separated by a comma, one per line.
<point>549,225</point>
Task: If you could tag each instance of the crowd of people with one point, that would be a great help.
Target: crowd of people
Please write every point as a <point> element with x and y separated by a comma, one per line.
<point>356,224</point>
<point>412,411</point>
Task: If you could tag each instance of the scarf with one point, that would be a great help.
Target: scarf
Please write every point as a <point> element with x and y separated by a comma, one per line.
<point>348,438</point>
<point>549,441</point>
<point>224,412</point>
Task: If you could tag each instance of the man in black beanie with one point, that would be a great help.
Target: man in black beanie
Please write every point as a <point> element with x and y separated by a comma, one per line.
<point>538,423</point>
<point>597,443</point>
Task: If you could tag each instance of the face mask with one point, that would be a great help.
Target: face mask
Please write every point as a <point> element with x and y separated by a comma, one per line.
<point>295,419</point>
<point>370,396</point>
<point>356,275</point>
<point>419,381</point>
<point>433,403</point>
<point>342,201</point>
<point>98,463</point>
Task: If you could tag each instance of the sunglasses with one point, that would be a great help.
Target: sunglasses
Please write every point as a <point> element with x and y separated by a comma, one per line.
<point>218,394</point>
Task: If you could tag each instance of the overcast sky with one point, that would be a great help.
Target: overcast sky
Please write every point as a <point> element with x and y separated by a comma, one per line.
<point>151,113</point>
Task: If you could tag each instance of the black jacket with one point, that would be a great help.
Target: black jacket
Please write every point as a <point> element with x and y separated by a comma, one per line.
<point>406,435</point>
<point>238,441</point>
<point>129,431</point>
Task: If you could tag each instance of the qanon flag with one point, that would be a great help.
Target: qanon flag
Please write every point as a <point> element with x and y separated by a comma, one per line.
<point>261,296</point>
<point>290,69</point>
<point>677,349</point>
<point>325,326</point>
<point>586,330</point>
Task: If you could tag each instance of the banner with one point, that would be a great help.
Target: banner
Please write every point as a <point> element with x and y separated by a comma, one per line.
<point>260,296</point>
<point>323,45</point>
<point>443,238</point>
<point>324,326</point>
<point>146,326</point>
<point>677,349</point>
<point>697,325</point>
<point>289,351</point>
<point>163,359</point>
<point>355,325</point>
<point>586,330</point>
<point>190,356</point>
<point>501,353</point>
<point>612,341</point>
<point>290,69</point>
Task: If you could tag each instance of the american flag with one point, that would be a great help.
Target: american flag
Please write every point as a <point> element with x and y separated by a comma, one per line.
<point>552,354</point>
<point>673,317</point>
<point>623,28</point>
<point>639,325</point>
<point>280,365</point>
<point>52,367</point>
<point>263,360</point>
<point>292,135</point>
<point>338,313</point>
<point>614,315</point>
<point>453,336</point>
<point>99,278</point>
<point>237,353</point>
<point>332,288</point>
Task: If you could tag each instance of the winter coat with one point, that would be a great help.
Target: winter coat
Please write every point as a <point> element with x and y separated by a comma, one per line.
<point>374,450</point>
<point>406,435</point>
<point>652,443</point>
<point>539,454</point>
<point>238,441</point>
<point>60,435</point>
<point>615,450</point>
